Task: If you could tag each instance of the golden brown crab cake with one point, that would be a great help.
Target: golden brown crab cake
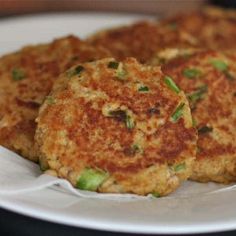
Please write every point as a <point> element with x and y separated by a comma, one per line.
<point>213,28</point>
<point>209,80</point>
<point>142,40</point>
<point>26,77</point>
<point>117,127</point>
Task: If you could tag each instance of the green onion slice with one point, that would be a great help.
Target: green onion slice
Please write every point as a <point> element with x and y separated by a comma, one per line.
<point>91,179</point>
<point>76,71</point>
<point>18,74</point>
<point>177,113</point>
<point>121,115</point>
<point>156,194</point>
<point>171,84</point>
<point>129,122</point>
<point>180,167</point>
<point>143,89</point>
<point>50,100</point>
<point>173,26</point>
<point>191,73</point>
<point>219,65</point>
<point>197,94</point>
<point>113,64</point>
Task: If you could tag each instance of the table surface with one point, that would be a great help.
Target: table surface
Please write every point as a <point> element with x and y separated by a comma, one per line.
<point>18,225</point>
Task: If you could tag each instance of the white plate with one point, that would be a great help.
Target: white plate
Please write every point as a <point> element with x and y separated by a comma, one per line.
<point>200,213</point>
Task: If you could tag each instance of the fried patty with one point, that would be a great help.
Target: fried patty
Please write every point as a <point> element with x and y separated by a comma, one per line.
<point>214,28</point>
<point>117,127</point>
<point>141,40</point>
<point>209,80</point>
<point>210,28</point>
<point>26,78</point>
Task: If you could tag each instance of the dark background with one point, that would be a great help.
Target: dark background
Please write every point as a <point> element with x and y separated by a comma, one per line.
<point>19,225</point>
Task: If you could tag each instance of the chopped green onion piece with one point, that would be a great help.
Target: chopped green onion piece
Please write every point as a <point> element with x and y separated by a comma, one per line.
<point>197,94</point>
<point>156,194</point>
<point>118,114</point>
<point>180,167</point>
<point>121,115</point>
<point>194,122</point>
<point>177,113</point>
<point>205,129</point>
<point>18,74</point>
<point>43,164</point>
<point>78,69</point>
<point>173,25</point>
<point>191,73</point>
<point>50,100</point>
<point>121,74</point>
<point>129,122</point>
<point>219,65</point>
<point>131,151</point>
<point>136,148</point>
<point>113,64</point>
<point>171,84</point>
<point>143,89</point>
<point>91,179</point>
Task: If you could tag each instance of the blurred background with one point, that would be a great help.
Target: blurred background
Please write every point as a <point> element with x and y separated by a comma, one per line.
<point>160,7</point>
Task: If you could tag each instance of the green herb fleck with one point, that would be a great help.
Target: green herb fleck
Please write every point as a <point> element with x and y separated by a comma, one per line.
<point>43,164</point>
<point>113,64</point>
<point>91,179</point>
<point>131,151</point>
<point>18,74</point>
<point>171,84</point>
<point>177,113</point>
<point>121,115</point>
<point>76,71</point>
<point>136,148</point>
<point>197,95</point>
<point>191,73</point>
<point>50,100</point>
<point>180,167</point>
<point>121,74</point>
<point>143,89</point>
<point>129,122</point>
<point>219,65</point>
<point>194,122</point>
<point>173,26</point>
<point>205,129</point>
<point>156,194</point>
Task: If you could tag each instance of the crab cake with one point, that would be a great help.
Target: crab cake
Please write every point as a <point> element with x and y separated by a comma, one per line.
<point>142,40</point>
<point>209,80</point>
<point>26,77</point>
<point>118,127</point>
<point>213,28</point>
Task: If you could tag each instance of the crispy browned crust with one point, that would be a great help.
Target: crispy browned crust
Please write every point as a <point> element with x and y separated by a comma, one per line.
<point>141,40</point>
<point>216,156</point>
<point>214,28</point>
<point>211,28</point>
<point>20,100</point>
<point>77,132</point>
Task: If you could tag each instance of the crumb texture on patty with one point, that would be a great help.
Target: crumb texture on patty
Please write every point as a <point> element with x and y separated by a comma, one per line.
<point>118,126</point>
<point>26,78</point>
<point>209,81</point>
